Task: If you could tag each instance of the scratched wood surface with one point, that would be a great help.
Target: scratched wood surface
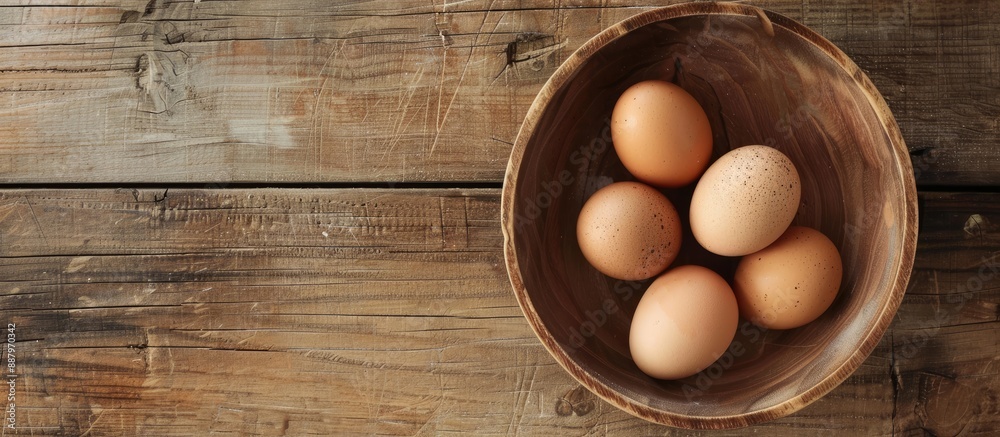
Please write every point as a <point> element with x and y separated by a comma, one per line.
<point>295,312</point>
<point>223,306</point>
<point>413,90</point>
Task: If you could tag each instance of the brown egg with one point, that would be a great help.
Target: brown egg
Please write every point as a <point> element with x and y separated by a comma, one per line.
<point>628,230</point>
<point>661,134</point>
<point>684,322</point>
<point>791,282</point>
<point>745,201</point>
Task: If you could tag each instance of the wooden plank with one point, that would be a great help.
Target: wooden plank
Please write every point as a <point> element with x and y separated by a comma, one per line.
<point>246,91</point>
<point>389,91</point>
<point>935,65</point>
<point>946,339</point>
<point>291,312</point>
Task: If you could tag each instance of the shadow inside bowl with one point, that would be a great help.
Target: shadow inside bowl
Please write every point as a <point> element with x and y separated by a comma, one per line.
<point>761,82</point>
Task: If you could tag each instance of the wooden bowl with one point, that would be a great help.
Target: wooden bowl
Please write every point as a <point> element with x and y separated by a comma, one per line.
<point>762,79</point>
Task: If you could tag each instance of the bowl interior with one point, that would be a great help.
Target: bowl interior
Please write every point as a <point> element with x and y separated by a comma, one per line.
<point>761,80</point>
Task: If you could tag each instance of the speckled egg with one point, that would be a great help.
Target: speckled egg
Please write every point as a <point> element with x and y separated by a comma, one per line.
<point>745,201</point>
<point>790,282</point>
<point>629,230</point>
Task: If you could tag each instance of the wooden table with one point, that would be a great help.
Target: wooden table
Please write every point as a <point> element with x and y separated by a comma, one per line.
<point>282,217</point>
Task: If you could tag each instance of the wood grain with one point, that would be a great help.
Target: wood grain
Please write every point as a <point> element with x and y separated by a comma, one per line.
<point>229,311</point>
<point>390,91</point>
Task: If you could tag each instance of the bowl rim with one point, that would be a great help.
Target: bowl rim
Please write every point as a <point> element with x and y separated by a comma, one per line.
<point>902,267</point>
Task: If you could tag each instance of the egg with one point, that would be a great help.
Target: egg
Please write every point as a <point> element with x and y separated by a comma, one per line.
<point>744,201</point>
<point>685,321</point>
<point>791,282</point>
<point>629,230</point>
<point>661,134</point>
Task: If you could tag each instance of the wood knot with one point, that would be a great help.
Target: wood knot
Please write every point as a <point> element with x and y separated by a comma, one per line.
<point>945,405</point>
<point>575,401</point>
<point>157,81</point>
<point>975,226</point>
<point>533,48</point>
